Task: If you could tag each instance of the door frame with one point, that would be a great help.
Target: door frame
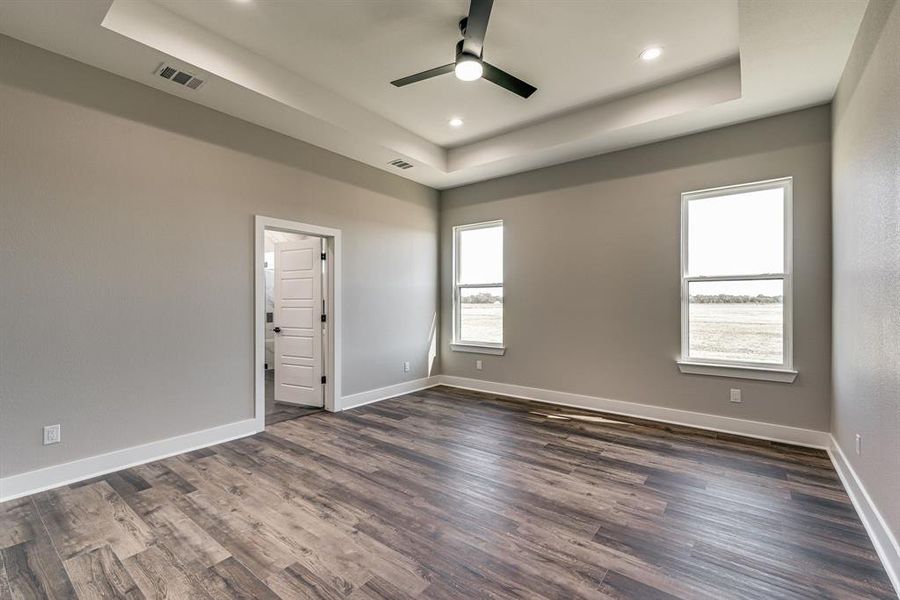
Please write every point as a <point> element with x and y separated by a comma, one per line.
<point>332,291</point>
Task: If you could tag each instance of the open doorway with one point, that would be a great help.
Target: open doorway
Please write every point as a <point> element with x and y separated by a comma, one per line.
<point>297,320</point>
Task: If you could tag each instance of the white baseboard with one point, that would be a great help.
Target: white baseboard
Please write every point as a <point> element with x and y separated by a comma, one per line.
<point>39,480</point>
<point>47,478</point>
<point>882,538</point>
<point>885,543</point>
<point>390,391</point>
<point>755,429</point>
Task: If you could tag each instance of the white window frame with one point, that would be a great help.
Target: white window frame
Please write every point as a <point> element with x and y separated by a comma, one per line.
<point>783,372</point>
<point>459,344</point>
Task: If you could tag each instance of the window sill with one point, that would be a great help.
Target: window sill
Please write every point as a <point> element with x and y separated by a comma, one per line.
<point>476,349</point>
<point>738,371</point>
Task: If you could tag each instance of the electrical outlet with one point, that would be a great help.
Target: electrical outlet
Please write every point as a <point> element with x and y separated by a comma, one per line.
<point>406,367</point>
<point>478,364</point>
<point>858,444</point>
<point>52,435</point>
<point>736,395</point>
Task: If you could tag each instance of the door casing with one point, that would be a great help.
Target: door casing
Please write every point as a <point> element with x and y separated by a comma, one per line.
<point>332,345</point>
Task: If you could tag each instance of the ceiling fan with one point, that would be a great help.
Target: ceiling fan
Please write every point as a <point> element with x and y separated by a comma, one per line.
<point>470,64</point>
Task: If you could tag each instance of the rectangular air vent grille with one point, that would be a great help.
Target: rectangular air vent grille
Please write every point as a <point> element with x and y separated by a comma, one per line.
<point>180,77</point>
<point>400,164</point>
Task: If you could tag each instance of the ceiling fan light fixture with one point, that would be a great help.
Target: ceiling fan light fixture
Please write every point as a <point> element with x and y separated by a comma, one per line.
<point>651,53</point>
<point>468,68</point>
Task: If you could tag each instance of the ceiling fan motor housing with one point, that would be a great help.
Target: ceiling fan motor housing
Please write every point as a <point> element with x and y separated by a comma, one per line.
<point>461,54</point>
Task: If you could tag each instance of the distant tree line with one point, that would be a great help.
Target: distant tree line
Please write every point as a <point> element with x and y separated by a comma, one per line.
<point>482,298</point>
<point>488,298</point>
<point>733,299</point>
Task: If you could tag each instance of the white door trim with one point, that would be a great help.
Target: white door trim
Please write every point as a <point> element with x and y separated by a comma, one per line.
<point>333,339</point>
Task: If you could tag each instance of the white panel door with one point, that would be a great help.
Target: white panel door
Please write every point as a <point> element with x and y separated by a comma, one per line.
<point>298,322</point>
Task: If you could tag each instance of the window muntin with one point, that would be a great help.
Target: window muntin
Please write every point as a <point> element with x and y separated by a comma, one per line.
<point>736,275</point>
<point>478,284</point>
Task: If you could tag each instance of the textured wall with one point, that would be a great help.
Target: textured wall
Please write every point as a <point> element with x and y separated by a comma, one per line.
<point>126,225</point>
<point>866,213</point>
<point>592,288</point>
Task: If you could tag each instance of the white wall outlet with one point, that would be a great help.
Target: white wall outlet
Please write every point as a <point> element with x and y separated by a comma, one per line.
<point>479,365</point>
<point>52,435</point>
<point>858,444</point>
<point>735,395</point>
<point>406,366</point>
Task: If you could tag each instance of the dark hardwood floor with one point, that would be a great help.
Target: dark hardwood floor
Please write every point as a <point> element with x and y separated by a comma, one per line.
<point>451,494</point>
<point>280,411</point>
<point>276,412</point>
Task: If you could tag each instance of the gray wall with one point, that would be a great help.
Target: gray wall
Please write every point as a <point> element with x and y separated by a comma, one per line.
<point>126,231</point>
<point>592,270</point>
<point>866,212</point>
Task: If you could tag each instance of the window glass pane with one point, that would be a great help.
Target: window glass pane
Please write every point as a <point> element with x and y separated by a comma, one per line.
<point>736,320</point>
<point>738,234</point>
<point>481,255</point>
<point>481,315</point>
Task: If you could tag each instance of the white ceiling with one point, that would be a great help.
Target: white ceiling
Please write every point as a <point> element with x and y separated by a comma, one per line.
<point>575,53</point>
<point>320,70</point>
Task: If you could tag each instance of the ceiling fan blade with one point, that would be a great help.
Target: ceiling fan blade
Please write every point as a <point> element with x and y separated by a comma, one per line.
<point>505,80</point>
<point>476,26</point>
<point>424,75</point>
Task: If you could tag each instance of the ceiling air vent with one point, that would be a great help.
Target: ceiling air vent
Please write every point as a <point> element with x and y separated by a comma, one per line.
<point>180,77</point>
<point>400,164</point>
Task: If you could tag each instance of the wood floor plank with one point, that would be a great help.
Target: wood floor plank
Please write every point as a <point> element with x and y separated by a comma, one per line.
<point>17,522</point>
<point>5,592</point>
<point>159,574</point>
<point>619,586</point>
<point>99,574</point>
<point>296,581</point>
<point>90,517</point>
<point>231,580</point>
<point>33,570</point>
<point>450,494</point>
<point>186,539</point>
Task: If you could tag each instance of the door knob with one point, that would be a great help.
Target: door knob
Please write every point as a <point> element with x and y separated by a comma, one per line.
<point>277,330</point>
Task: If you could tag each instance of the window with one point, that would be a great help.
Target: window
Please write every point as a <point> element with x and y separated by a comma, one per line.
<point>736,281</point>
<point>478,288</point>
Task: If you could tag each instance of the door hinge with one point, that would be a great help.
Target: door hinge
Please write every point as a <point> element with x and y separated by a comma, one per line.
<point>324,379</point>
<point>324,318</point>
<point>323,256</point>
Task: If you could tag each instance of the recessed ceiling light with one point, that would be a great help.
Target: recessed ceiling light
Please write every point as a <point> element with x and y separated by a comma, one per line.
<point>456,122</point>
<point>651,53</point>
